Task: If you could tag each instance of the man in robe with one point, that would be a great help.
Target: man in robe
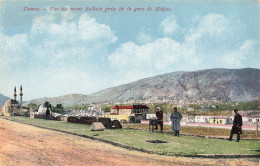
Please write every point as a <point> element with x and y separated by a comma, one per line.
<point>48,113</point>
<point>237,126</point>
<point>176,121</point>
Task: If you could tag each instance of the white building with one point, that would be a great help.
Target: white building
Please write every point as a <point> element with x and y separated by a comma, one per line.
<point>42,108</point>
<point>202,119</point>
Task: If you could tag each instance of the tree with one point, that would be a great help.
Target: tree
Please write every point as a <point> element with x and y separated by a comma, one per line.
<point>106,108</point>
<point>33,106</point>
<point>58,109</point>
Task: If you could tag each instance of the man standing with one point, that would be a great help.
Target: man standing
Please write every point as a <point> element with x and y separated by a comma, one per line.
<point>159,116</point>
<point>48,113</point>
<point>176,119</point>
<point>237,126</point>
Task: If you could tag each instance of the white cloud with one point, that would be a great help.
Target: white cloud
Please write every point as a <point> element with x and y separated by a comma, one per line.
<point>213,24</point>
<point>143,36</point>
<point>169,25</point>
<point>58,41</point>
<point>12,49</point>
<point>214,30</point>
<point>90,31</point>
<point>55,43</point>
<point>207,45</point>
<point>86,30</point>
<point>146,60</point>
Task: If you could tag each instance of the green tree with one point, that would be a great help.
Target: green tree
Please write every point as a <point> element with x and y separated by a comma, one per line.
<point>33,106</point>
<point>106,108</point>
<point>58,109</point>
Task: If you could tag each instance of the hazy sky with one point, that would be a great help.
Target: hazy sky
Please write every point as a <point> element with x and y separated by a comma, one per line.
<point>53,53</point>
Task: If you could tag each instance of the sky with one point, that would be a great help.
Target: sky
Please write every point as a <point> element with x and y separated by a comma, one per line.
<point>54,53</point>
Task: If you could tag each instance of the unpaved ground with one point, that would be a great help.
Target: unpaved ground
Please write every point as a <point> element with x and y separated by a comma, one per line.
<point>27,145</point>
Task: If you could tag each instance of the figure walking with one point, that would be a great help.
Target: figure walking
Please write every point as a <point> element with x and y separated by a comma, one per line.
<point>47,113</point>
<point>176,119</point>
<point>159,116</point>
<point>237,126</point>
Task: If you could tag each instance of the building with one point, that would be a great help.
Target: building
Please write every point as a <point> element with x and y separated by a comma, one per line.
<point>130,110</point>
<point>253,119</point>
<point>150,116</point>
<point>43,107</point>
<point>13,108</point>
<point>138,111</point>
<point>121,118</point>
<point>191,109</point>
<point>220,120</point>
<point>10,108</point>
<point>202,119</point>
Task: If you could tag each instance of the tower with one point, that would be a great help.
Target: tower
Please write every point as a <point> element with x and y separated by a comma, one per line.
<point>15,93</point>
<point>21,96</point>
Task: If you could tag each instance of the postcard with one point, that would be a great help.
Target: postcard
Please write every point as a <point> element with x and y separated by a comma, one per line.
<point>81,61</point>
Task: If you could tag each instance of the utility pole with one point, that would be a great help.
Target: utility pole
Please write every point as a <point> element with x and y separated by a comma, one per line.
<point>256,128</point>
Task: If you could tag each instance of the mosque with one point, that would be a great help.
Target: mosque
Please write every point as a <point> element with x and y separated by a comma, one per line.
<point>13,108</point>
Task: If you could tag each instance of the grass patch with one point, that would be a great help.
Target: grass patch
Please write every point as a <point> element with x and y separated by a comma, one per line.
<point>206,131</point>
<point>183,145</point>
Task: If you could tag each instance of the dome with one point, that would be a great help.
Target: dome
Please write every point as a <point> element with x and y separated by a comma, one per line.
<point>11,102</point>
<point>43,107</point>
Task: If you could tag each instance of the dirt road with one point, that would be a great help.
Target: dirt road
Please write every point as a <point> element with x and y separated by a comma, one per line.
<point>27,145</point>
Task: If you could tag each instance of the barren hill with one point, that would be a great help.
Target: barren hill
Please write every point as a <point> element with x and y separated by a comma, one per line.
<point>3,99</point>
<point>213,85</point>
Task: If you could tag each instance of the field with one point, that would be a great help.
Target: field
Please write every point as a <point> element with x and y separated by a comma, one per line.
<point>136,139</point>
<point>204,131</point>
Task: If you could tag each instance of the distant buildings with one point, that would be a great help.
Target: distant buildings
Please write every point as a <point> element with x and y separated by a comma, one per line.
<point>251,115</point>
<point>126,112</point>
<point>130,110</point>
<point>220,120</point>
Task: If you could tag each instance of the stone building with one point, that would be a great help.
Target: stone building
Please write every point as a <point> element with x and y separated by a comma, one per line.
<point>13,108</point>
<point>10,108</point>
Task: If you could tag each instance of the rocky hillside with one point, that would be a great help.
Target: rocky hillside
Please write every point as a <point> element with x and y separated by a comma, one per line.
<point>67,100</point>
<point>204,86</point>
<point>3,99</point>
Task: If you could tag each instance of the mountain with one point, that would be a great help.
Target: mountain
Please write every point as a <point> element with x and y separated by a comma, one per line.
<point>3,99</point>
<point>67,100</point>
<point>203,86</point>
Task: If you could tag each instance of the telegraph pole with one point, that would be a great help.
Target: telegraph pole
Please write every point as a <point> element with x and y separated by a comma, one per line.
<point>256,128</point>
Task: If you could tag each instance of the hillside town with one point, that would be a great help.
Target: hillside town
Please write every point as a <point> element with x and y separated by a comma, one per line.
<point>129,113</point>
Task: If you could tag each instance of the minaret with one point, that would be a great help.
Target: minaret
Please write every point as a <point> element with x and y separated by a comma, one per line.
<point>21,95</point>
<point>15,93</point>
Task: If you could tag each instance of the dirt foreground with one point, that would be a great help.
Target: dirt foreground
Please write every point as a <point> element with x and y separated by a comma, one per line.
<point>27,145</point>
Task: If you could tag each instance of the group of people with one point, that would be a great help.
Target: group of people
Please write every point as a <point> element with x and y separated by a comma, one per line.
<point>176,125</point>
<point>175,118</point>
